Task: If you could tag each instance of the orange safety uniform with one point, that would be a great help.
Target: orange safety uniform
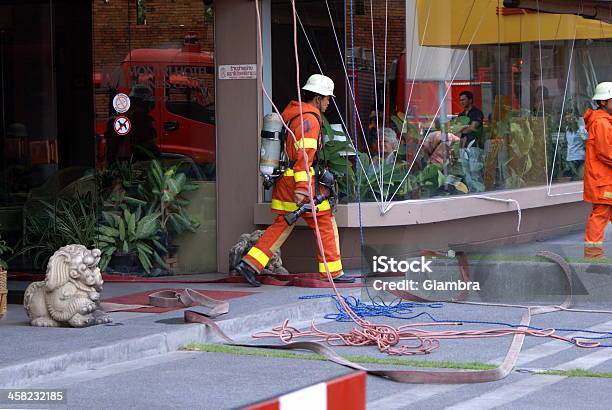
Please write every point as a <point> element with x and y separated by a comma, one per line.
<point>301,151</point>
<point>598,179</point>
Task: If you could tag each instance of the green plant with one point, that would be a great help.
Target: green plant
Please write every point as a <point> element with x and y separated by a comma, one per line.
<point>521,142</point>
<point>119,176</point>
<point>409,132</point>
<point>163,191</point>
<point>370,187</point>
<point>456,124</point>
<point>335,156</point>
<point>55,224</point>
<point>427,181</point>
<point>341,166</point>
<point>516,129</point>
<point>125,172</point>
<point>125,233</point>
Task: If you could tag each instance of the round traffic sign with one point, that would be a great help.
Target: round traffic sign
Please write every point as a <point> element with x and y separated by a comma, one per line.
<point>122,125</point>
<point>121,103</point>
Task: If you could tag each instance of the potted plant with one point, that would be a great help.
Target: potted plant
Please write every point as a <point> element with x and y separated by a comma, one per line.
<point>120,175</point>
<point>163,192</point>
<point>3,286</point>
<point>51,225</point>
<point>129,239</point>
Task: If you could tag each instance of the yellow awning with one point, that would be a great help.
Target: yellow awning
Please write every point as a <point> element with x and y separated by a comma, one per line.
<point>461,22</point>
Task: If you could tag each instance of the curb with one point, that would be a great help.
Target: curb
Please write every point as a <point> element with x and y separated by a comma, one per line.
<point>35,371</point>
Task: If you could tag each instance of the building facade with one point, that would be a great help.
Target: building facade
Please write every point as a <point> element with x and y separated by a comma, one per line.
<point>78,162</point>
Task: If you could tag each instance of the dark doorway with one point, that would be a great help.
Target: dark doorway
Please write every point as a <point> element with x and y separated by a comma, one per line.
<point>46,109</point>
<point>316,21</point>
<point>74,68</point>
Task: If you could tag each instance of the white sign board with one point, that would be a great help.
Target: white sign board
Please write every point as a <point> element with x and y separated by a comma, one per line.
<point>238,72</point>
<point>122,125</point>
<point>121,103</point>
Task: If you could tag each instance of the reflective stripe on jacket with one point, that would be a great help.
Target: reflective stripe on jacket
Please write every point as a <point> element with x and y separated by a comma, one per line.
<point>295,179</point>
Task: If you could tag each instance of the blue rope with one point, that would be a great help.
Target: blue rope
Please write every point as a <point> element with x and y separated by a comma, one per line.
<point>396,309</point>
<point>404,310</point>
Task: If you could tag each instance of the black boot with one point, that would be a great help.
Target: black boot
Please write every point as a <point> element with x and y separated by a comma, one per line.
<point>341,279</point>
<point>248,273</point>
<point>344,279</point>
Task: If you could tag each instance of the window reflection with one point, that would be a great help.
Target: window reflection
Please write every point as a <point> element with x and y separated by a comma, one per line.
<point>476,106</point>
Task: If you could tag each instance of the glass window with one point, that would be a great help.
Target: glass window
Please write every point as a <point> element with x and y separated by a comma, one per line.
<point>190,92</point>
<point>46,155</point>
<point>449,98</point>
<point>163,58</point>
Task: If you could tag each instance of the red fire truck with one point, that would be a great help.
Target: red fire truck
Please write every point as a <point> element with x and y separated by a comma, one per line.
<point>180,98</point>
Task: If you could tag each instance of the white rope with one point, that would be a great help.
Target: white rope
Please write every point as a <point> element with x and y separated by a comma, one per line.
<point>542,91</point>
<point>388,205</point>
<point>454,198</point>
<point>465,302</point>
<point>414,74</point>
<point>378,146</point>
<point>331,20</point>
<point>443,99</point>
<point>261,75</point>
<point>385,96</point>
<point>510,201</point>
<point>336,105</point>
<point>552,170</point>
<point>507,201</point>
<point>391,204</point>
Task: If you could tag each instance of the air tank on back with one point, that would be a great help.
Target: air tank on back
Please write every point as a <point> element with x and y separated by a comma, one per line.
<point>271,144</point>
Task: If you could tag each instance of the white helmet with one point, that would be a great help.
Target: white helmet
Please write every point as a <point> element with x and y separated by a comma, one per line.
<point>603,91</point>
<point>320,84</point>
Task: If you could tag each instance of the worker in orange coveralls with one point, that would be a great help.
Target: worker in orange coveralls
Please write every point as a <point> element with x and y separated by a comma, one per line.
<point>291,190</point>
<point>598,170</point>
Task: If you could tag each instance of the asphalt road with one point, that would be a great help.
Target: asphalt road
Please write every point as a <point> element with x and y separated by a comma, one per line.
<point>224,381</point>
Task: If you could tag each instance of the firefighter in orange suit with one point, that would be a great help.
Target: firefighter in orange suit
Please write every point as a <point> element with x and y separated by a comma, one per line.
<point>291,189</point>
<point>598,170</point>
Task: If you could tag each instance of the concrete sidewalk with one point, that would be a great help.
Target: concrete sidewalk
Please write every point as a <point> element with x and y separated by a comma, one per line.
<point>33,356</point>
<point>30,353</point>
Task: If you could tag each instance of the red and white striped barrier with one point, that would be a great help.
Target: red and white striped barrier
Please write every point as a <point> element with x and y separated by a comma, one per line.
<point>346,392</point>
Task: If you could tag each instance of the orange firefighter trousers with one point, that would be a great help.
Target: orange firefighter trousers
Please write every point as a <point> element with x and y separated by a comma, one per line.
<point>279,231</point>
<point>599,218</point>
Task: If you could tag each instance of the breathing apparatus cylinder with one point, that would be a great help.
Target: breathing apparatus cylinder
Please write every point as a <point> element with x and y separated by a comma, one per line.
<point>271,144</point>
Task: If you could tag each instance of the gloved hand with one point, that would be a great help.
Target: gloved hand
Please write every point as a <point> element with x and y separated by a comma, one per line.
<point>300,198</point>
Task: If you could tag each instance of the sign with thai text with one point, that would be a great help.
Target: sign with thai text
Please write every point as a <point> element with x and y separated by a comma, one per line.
<point>238,72</point>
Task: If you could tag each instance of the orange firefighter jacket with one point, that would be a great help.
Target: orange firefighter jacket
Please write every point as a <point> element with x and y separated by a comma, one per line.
<point>295,179</point>
<point>598,161</point>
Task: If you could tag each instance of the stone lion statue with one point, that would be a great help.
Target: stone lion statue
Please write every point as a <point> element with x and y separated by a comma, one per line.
<point>245,242</point>
<point>70,293</point>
